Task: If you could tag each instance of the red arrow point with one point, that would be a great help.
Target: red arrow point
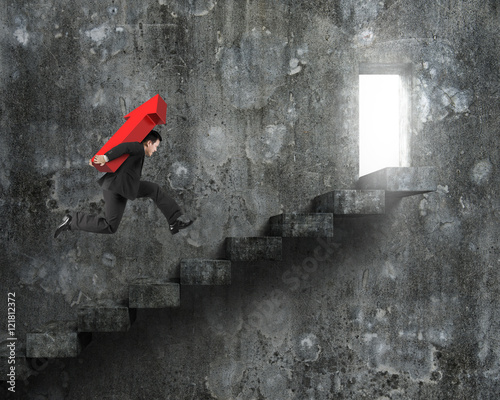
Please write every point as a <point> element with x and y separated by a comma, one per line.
<point>155,108</point>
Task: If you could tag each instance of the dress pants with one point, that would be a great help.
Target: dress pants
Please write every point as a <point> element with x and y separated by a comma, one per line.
<point>115,206</point>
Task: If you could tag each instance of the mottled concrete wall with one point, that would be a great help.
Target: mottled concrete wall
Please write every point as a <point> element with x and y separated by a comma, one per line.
<point>262,117</point>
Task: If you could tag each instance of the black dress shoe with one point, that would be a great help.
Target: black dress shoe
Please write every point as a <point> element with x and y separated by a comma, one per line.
<point>65,226</point>
<point>178,225</point>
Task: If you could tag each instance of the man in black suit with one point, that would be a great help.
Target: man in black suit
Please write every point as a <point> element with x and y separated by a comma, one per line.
<point>123,185</point>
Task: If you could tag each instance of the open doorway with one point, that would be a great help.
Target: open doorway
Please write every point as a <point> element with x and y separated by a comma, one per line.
<point>383,117</point>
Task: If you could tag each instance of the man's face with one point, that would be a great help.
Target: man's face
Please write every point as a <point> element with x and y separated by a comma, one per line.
<point>150,147</point>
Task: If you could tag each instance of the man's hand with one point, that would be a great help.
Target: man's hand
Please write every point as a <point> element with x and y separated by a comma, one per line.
<point>98,160</point>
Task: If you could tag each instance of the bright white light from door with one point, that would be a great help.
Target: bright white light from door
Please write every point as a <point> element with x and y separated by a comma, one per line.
<point>379,122</point>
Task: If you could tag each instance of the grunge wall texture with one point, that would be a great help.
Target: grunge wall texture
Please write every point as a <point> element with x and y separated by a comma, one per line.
<point>262,117</point>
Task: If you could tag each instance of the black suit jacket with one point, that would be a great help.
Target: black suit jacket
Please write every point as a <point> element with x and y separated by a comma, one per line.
<point>125,180</point>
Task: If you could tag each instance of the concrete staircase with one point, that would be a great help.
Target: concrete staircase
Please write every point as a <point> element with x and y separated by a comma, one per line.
<point>106,318</point>
<point>59,339</point>
<point>68,339</point>
<point>205,272</point>
<point>401,181</point>
<point>302,225</point>
<point>154,294</point>
<point>254,248</point>
<point>351,202</point>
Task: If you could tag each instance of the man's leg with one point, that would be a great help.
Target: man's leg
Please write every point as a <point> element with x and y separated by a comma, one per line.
<point>113,212</point>
<point>167,205</point>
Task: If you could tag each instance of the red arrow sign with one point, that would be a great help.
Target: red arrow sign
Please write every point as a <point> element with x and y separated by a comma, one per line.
<point>139,123</point>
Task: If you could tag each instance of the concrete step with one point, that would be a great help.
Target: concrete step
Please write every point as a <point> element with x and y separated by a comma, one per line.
<point>401,181</point>
<point>302,225</point>
<point>154,295</point>
<point>105,318</point>
<point>254,248</point>
<point>57,340</point>
<point>205,272</point>
<point>351,202</point>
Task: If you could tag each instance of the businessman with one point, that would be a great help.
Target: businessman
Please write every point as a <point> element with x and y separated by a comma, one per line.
<point>123,185</point>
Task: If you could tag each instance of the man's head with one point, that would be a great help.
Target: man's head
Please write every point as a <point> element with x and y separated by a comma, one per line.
<point>151,143</point>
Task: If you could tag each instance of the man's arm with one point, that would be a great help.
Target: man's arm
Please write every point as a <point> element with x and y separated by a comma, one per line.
<point>132,148</point>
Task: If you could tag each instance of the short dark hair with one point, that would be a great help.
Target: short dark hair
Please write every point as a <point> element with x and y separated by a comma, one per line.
<point>153,136</point>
